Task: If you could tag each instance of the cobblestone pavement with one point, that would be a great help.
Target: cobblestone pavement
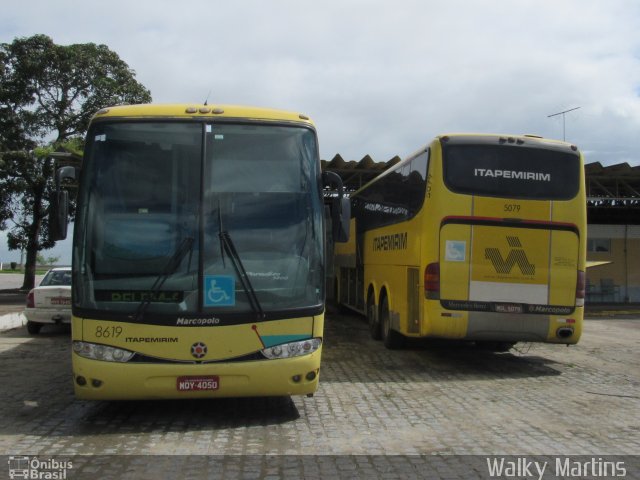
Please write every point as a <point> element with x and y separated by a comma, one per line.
<point>378,413</point>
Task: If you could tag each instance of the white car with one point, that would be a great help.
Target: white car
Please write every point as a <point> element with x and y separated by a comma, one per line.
<point>50,302</point>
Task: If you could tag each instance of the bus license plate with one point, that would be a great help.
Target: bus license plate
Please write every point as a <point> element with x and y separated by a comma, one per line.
<point>508,308</point>
<point>195,384</point>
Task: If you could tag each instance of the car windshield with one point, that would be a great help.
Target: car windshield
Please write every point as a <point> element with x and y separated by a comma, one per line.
<point>56,277</point>
<point>157,200</point>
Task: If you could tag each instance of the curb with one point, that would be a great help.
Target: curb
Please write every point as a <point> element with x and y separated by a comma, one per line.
<point>12,320</point>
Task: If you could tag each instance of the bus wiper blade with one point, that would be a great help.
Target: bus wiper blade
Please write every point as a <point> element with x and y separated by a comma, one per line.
<point>170,267</point>
<point>229,247</point>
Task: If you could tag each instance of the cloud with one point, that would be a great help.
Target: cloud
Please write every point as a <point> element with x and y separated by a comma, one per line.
<point>381,78</point>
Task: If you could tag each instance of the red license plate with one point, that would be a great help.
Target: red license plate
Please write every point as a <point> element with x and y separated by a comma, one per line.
<point>195,384</point>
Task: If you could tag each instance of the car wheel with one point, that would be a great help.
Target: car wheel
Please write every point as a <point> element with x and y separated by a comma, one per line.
<point>391,338</point>
<point>33,328</point>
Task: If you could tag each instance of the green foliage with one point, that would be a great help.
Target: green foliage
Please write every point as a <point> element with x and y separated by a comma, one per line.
<point>47,261</point>
<point>50,89</point>
<point>48,94</point>
<point>28,182</point>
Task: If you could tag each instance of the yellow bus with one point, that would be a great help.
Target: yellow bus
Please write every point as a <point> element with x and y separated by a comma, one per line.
<point>198,253</point>
<point>473,237</point>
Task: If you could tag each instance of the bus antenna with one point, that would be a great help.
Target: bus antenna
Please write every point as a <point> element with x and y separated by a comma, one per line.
<point>206,101</point>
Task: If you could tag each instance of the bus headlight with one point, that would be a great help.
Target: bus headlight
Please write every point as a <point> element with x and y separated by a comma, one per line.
<point>101,352</point>
<point>293,349</point>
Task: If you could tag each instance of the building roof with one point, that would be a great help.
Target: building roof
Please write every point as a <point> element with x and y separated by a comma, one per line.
<point>620,181</point>
<point>354,173</point>
<point>613,193</point>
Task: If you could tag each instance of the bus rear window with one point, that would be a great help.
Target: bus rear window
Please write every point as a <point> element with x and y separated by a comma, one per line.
<point>511,171</point>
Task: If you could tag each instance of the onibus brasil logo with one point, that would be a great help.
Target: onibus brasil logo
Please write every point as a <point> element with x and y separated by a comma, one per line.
<point>35,468</point>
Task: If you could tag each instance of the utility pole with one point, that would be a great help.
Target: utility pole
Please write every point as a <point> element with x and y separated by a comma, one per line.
<point>563,121</point>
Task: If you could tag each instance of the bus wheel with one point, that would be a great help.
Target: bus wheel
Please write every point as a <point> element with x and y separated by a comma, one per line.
<point>372,319</point>
<point>391,339</point>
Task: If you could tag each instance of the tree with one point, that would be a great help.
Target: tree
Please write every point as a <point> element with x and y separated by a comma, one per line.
<point>48,94</point>
<point>47,261</point>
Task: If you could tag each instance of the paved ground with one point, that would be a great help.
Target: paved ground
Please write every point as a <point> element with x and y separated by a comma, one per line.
<point>388,408</point>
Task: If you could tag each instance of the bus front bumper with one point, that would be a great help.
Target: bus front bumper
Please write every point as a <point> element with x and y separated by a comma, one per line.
<point>100,380</point>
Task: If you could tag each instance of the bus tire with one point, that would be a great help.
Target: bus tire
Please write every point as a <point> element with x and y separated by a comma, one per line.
<point>390,338</point>
<point>372,318</point>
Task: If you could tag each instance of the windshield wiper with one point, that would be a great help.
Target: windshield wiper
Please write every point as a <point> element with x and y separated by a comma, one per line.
<point>227,245</point>
<point>170,267</point>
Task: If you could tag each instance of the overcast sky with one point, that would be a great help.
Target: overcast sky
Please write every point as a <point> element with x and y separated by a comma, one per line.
<point>379,77</point>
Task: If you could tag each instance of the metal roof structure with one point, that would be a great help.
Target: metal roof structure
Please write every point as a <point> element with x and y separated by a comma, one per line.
<point>613,192</point>
<point>355,174</point>
<point>614,182</point>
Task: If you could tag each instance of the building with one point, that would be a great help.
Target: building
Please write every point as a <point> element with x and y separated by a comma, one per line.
<point>613,235</point>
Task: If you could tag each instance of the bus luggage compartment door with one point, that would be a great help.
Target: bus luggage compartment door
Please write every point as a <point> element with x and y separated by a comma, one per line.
<point>529,268</point>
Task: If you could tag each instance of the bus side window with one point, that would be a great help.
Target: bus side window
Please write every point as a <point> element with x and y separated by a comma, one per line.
<point>416,182</point>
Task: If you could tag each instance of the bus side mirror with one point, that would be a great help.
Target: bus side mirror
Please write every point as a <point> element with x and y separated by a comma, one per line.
<point>59,205</point>
<point>340,208</point>
<point>58,215</point>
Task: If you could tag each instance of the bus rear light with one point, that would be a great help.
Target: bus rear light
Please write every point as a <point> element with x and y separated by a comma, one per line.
<point>580,288</point>
<point>432,281</point>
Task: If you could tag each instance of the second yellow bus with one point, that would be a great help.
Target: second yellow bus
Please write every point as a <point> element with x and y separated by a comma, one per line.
<point>473,237</point>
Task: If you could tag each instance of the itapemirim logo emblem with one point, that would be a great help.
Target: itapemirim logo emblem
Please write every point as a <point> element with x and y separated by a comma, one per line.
<point>516,256</point>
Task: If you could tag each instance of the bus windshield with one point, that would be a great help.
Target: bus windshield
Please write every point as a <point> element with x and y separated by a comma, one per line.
<point>512,171</point>
<point>158,199</point>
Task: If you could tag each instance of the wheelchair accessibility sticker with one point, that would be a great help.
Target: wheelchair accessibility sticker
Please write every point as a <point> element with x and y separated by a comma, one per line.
<point>455,251</point>
<point>219,291</point>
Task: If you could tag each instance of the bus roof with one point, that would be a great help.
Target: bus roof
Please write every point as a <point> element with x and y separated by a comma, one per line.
<point>191,110</point>
<point>506,138</point>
